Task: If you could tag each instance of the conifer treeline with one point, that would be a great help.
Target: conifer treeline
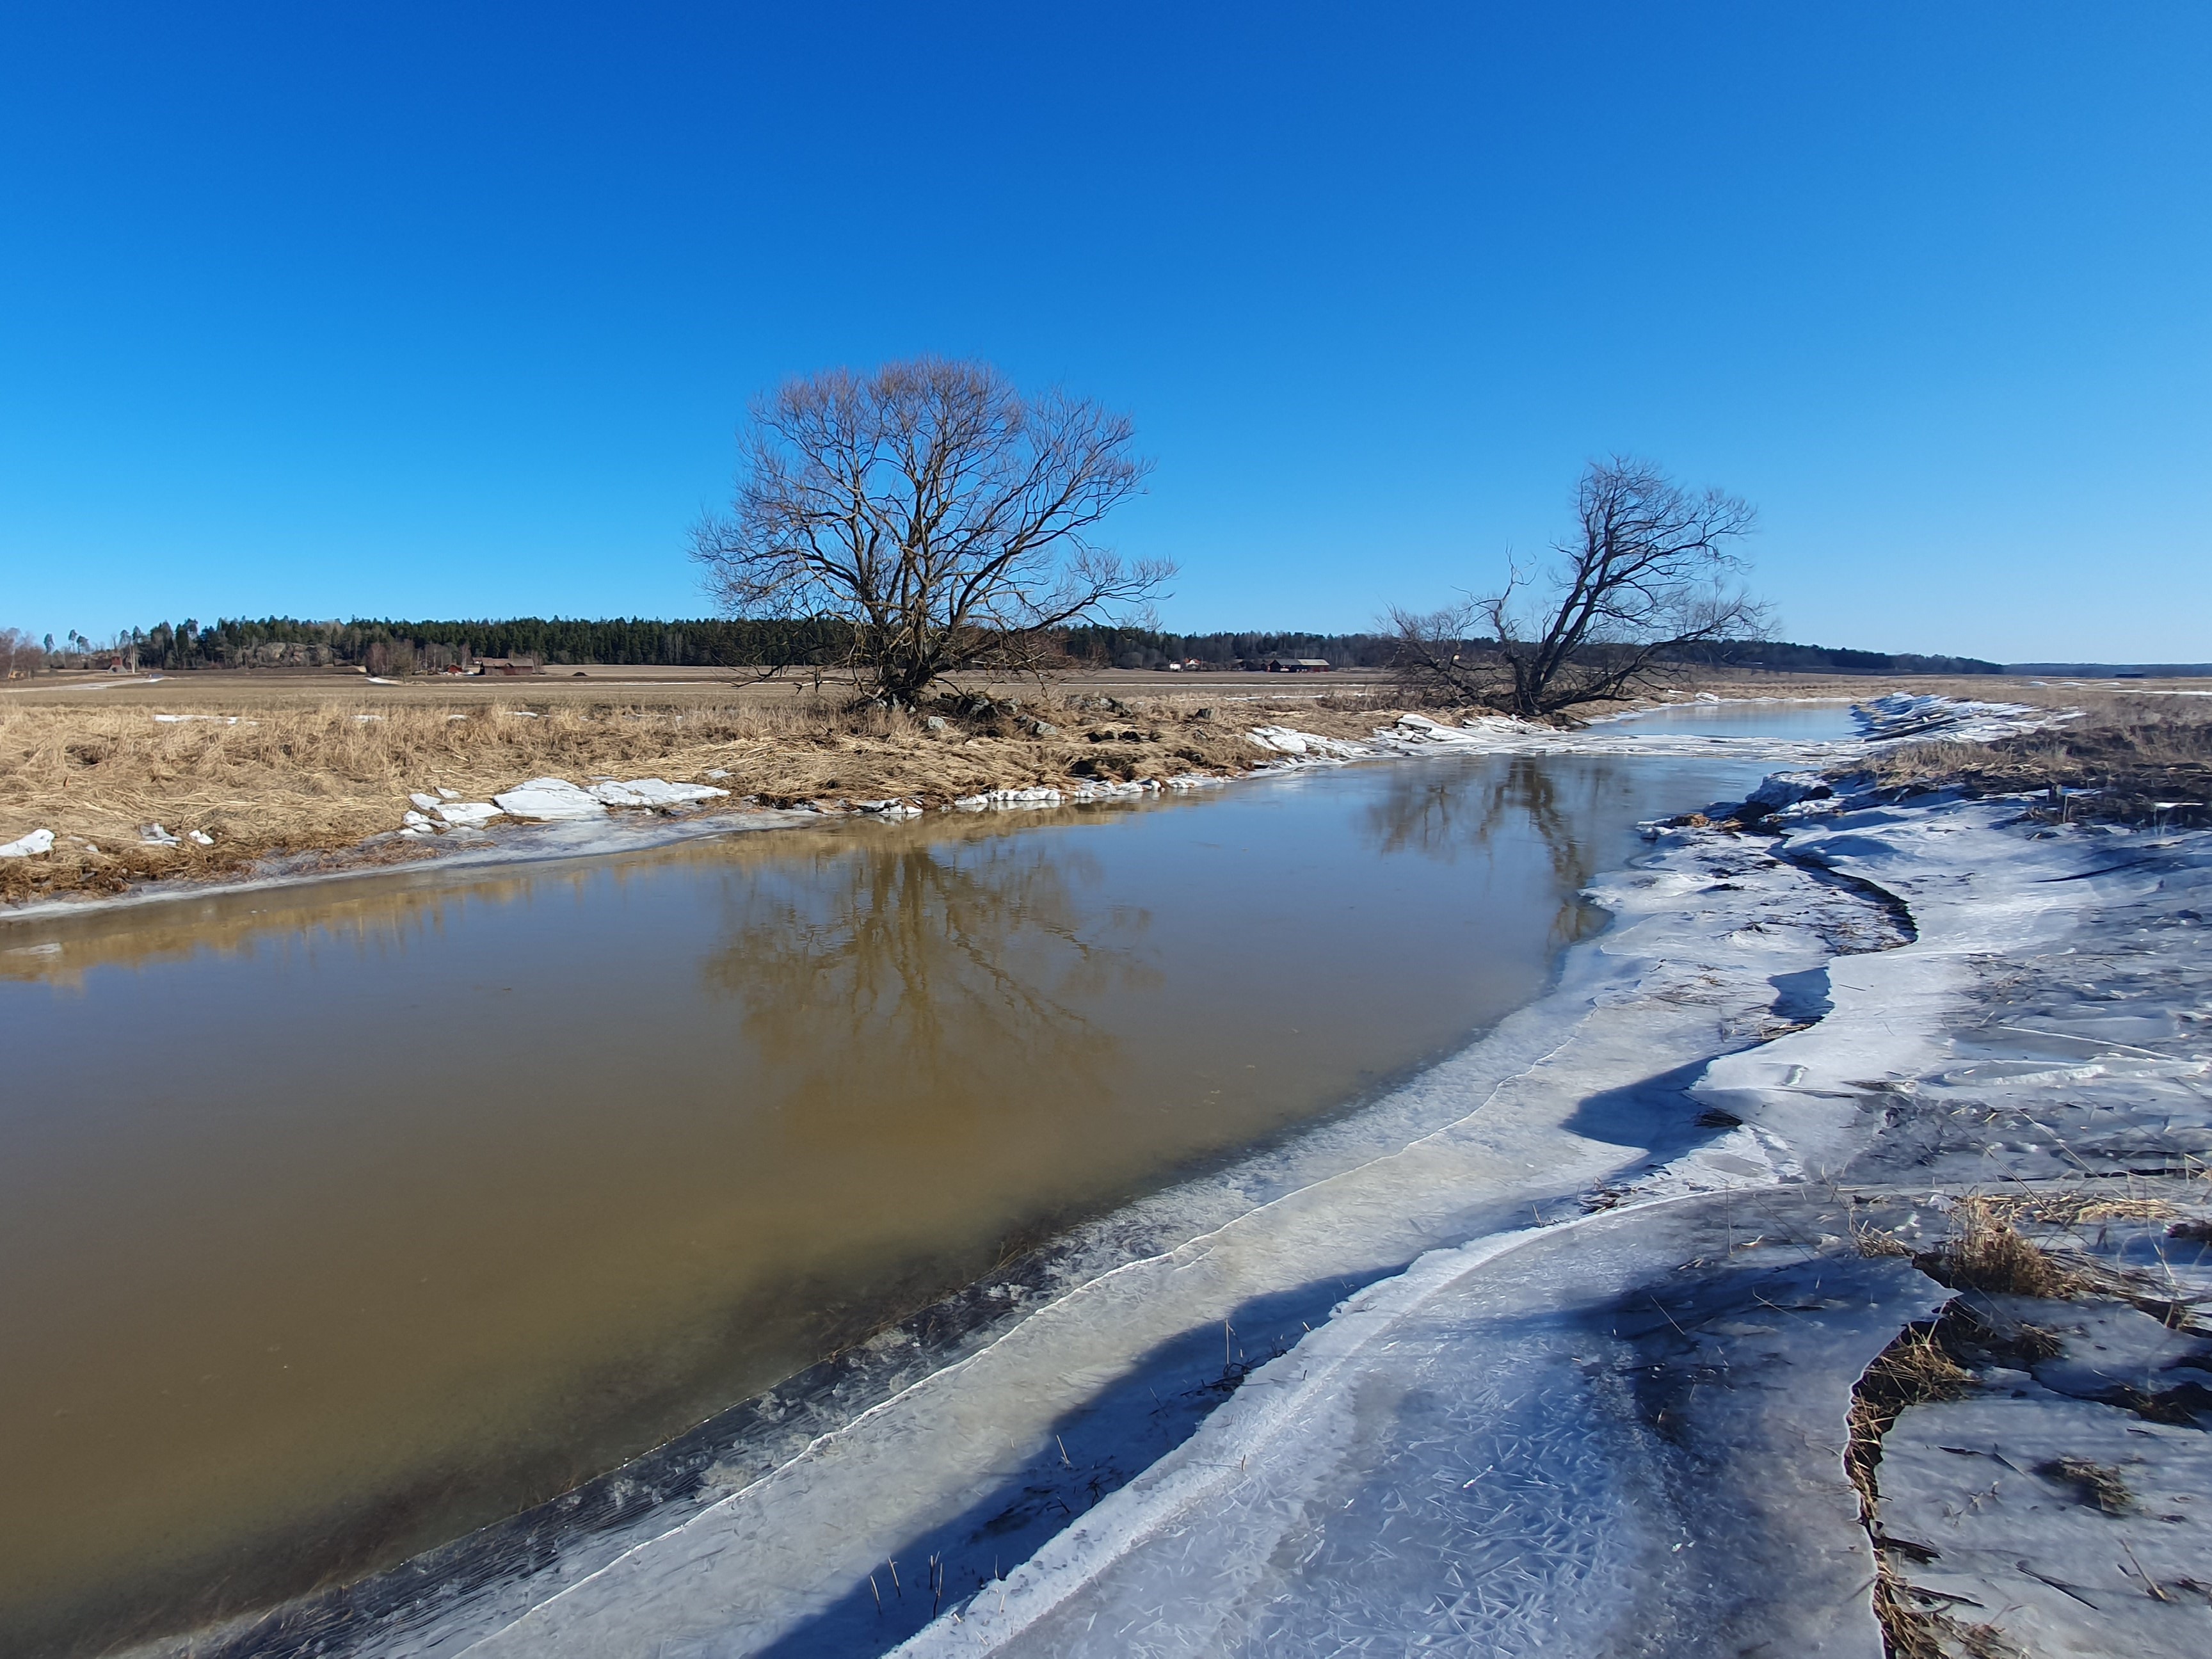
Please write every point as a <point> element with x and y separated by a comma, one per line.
<point>716,642</point>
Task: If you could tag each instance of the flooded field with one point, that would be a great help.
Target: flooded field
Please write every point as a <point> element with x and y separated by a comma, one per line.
<point>338,1220</point>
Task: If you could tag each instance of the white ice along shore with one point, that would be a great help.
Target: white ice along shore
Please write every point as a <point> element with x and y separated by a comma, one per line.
<point>1478,1454</point>
<point>1897,718</point>
<point>1550,1351</point>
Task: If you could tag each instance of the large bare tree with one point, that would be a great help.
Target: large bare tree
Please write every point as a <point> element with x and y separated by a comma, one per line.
<point>942,517</point>
<point>1652,577</point>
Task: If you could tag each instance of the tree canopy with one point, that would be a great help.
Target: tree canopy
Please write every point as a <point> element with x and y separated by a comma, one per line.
<point>943,517</point>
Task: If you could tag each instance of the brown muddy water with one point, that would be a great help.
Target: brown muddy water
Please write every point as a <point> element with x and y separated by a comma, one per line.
<point>337,1220</point>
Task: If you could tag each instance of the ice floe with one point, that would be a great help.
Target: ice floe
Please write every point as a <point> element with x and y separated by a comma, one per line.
<point>548,799</point>
<point>1038,796</point>
<point>1897,719</point>
<point>1286,740</point>
<point>552,800</point>
<point>652,792</point>
<point>472,813</point>
<point>30,846</point>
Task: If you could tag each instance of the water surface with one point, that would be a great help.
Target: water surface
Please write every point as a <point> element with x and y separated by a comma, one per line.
<point>338,1220</point>
<point>1807,722</point>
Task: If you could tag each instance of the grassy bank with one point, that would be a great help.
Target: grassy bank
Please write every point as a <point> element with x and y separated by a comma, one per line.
<point>2132,756</point>
<point>258,775</point>
<point>321,766</point>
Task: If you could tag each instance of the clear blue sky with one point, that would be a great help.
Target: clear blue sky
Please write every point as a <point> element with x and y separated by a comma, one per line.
<point>446,309</point>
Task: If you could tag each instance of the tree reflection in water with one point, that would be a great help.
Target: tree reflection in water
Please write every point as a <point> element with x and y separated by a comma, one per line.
<point>942,970</point>
<point>1441,812</point>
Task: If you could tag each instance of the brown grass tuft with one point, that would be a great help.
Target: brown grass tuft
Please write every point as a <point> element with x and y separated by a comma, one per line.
<point>2092,1483</point>
<point>1872,1241</point>
<point>1985,1253</point>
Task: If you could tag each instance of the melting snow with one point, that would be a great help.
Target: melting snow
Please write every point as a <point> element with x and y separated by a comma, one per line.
<point>548,799</point>
<point>652,792</point>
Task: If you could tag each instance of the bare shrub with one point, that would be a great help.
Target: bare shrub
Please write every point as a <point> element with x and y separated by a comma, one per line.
<point>21,656</point>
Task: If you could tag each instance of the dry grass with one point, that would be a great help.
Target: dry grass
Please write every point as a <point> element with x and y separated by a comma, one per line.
<point>1914,1369</point>
<point>1985,1253</point>
<point>2144,758</point>
<point>2094,1484</point>
<point>2077,1207</point>
<point>1872,1241</point>
<point>261,774</point>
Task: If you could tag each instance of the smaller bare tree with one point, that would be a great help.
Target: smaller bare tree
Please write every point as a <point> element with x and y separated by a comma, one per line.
<point>1652,577</point>
<point>20,655</point>
<point>937,516</point>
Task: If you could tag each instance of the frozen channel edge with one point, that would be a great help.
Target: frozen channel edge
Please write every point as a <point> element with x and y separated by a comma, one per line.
<point>1651,1402</point>
<point>1061,1400</point>
<point>1665,984</point>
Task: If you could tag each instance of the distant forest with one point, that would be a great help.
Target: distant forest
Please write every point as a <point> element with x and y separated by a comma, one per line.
<point>405,647</point>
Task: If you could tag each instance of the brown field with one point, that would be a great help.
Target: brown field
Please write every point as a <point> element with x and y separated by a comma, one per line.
<point>2142,755</point>
<point>318,763</point>
<point>293,764</point>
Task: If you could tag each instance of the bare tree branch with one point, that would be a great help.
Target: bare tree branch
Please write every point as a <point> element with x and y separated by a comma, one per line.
<point>1653,574</point>
<point>930,507</point>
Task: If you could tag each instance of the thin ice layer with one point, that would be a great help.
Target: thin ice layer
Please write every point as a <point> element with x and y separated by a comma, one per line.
<point>1614,1437</point>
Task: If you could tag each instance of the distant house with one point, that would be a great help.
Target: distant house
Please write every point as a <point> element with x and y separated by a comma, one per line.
<point>504,665</point>
<point>1298,666</point>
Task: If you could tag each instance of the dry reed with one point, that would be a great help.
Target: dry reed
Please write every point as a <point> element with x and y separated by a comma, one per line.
<point>2130,757</point>
<point>1916,1369</point>
<point>1985,1253</point>
<point>258,776</point>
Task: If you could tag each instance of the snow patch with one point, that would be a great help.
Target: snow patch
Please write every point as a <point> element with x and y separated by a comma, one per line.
<point>550,800</point>
<point>474,814</point>
<point>652,792</point>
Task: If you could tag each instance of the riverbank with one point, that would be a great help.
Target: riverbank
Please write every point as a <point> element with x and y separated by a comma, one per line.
<point>121,797</point>
<point>172,785</point>
<point>839,1073</point>
<point>1938,1380</point>
<point>1769,1091</point>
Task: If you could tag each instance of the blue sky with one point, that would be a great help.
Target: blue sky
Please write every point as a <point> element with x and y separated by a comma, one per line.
<point>451,310</point>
